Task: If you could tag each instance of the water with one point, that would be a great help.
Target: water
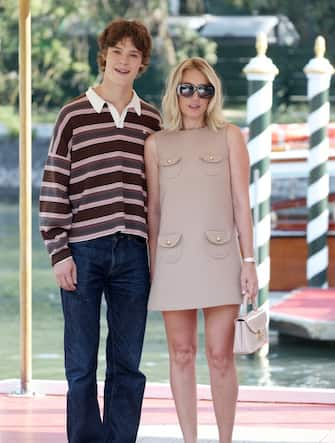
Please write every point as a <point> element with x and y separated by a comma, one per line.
<point>290,363</point>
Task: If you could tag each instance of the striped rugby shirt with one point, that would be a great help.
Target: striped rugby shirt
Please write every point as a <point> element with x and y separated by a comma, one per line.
<point>93,183</point>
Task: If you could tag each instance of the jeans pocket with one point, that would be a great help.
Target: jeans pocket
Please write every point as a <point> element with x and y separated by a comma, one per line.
<point>139,241</point>
<point>85,259</point>
<point>75,296</point>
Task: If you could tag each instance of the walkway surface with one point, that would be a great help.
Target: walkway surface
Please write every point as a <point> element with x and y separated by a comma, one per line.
<point>307,313</point>
<point>263,415</point>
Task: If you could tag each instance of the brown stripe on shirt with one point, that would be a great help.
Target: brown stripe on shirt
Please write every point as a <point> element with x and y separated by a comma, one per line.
<point>106,163</point>
<point>55,177</point>
<point>102,211</point>
<point>105,148</point>
<point>54,207</point>
<point>105,180</point>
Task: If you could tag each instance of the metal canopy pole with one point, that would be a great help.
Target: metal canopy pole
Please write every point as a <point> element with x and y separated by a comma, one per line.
<point>25,194</point>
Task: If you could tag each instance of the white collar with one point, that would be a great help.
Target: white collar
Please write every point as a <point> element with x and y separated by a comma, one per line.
<point>98,102</point>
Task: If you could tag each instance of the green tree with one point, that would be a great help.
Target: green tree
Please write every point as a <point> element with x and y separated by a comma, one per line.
<point>192,7</point>
<point>63,45</point>
<point>59,60</point>
<point>188,43</point>
<point>9,52</point>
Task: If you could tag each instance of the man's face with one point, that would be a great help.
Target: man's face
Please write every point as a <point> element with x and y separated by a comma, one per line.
<point>123,62</point>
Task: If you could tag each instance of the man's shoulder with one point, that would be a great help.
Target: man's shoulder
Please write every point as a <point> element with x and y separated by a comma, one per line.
<point>146,106</point>
<point>75,105</point>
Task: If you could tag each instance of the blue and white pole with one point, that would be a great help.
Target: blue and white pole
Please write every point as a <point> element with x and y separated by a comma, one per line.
<point>318,72</point>
<point>260,72</point>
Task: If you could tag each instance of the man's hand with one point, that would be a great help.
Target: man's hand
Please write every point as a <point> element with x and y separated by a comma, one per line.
<point>66,274</point>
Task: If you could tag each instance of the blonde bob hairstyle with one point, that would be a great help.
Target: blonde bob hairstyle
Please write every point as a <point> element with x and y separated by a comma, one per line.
<point>172,117</point>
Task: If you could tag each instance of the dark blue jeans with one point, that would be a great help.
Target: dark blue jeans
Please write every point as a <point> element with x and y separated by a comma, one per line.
<point>116,265</point>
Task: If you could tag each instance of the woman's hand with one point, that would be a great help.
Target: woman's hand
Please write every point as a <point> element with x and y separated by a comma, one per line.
<point>249,281</point>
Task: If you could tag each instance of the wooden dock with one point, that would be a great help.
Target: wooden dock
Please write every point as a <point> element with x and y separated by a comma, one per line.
<point>307,313</point>
<point>264,415</point>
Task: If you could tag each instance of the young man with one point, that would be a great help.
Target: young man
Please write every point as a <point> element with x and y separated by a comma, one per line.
<point>93,222</point>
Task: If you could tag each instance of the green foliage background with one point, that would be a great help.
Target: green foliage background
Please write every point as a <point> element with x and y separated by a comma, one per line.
<point>64,46</point>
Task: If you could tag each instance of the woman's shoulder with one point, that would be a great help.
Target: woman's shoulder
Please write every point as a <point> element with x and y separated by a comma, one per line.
<point>157,134</point>
<point>164,134</point>
<point>231,129</point>
<point>153,141</point>
<point>232,133</point>
<point>150,141</point>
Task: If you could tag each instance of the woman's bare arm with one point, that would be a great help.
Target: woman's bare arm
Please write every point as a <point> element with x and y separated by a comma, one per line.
<point>240,174</point>
<point>152,176</point>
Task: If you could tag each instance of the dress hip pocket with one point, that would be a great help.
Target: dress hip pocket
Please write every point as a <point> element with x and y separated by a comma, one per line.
<point>217,243</point>
<point>169,247</point>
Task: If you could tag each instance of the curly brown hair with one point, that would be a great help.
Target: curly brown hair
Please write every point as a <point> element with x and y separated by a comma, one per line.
<point>119,29</point>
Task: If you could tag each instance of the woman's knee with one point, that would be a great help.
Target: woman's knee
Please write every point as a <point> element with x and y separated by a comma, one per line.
<point>220,360</point>
<point>183,355</point>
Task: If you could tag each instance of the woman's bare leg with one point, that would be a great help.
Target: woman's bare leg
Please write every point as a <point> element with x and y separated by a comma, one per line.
<point>219,333</point>
<point>181,331</point>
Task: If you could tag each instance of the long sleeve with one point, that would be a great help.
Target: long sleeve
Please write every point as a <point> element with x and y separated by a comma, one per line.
<point>55,206</point>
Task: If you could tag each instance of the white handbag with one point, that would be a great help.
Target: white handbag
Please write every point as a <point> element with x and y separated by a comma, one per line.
<point>251,329</point>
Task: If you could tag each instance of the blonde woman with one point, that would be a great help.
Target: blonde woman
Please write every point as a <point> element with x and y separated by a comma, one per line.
<point>199,220</point>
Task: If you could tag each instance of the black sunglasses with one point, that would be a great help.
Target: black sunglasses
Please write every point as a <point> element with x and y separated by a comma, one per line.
<point>188,89</point>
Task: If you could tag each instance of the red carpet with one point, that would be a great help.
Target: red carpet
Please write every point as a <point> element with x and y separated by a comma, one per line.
<point>309,303</point>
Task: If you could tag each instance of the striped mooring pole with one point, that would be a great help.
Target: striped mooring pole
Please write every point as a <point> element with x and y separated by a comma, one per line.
<point>318,72</point>
<point>260,72</point>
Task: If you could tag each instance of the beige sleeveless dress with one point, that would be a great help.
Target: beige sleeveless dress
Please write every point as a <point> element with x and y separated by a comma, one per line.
<point>198,260</point>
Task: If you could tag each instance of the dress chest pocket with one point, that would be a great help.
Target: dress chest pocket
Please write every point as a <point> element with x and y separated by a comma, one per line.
<point>170,167</point>
<point>212,163</point>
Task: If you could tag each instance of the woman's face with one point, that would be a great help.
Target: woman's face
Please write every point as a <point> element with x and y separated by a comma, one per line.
<point>194,107</point>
